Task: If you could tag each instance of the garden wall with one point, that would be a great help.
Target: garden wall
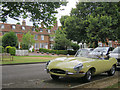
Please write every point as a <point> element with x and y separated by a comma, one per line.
<point>21,52</point>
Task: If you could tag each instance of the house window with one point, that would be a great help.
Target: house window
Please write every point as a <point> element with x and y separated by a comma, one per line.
<point>49,31</point>
<point>36,37</point>
<point>2,26</point>
<point>23,28</point>
<point>33,29</point>
<point>46,45</point>
<point>41,30</point>
<point>42,37</point>
<point>36,46</point>
<point>51,46</point>
<point>13,26</point>
<point>42,45</point>
<point>51,38</point>
<point>100,44</point>
<point>110,43</point>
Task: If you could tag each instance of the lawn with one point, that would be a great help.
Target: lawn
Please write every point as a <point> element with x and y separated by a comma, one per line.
<point>28,59</point>
<point>117,85</point>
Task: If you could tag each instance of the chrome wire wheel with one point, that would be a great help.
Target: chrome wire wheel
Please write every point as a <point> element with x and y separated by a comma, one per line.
<point>111,71</point>
<point>88,76</point>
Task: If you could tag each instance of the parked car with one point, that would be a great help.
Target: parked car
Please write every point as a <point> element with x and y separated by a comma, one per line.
<point>82,65</point>
<point>116,54</point>
<point>101,50</point>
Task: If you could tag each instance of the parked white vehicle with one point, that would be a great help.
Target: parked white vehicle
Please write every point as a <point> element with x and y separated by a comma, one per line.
<point>116,54</point>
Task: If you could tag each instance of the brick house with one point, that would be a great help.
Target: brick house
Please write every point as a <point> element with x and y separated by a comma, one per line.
<point>42,37</point>
<point>110,43</point>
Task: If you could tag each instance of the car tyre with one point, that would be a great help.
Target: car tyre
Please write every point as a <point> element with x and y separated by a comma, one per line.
<point>54,77</point>
<point>88,76</point>
<point>111,72</point>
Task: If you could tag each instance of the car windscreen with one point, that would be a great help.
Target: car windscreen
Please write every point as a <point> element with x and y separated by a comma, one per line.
<point>82,53</point>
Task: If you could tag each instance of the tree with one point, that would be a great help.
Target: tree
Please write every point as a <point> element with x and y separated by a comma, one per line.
<point>93,21</point>
<point>9,39</point>
<point>28,40</point>
<point>36,11</point>
<point>61,42</point>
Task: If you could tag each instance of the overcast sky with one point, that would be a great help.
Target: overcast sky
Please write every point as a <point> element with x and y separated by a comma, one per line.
<point>71,4</point>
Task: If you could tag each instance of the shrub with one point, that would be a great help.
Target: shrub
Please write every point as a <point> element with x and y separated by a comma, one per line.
<point>24,46</point>
<point>33,50</point>
<point>64,52</point>
<point>44,50</point>
<point>7,49</point>
<point>75,46</point>
<point>1,49</point>
<point>9,39</point>
<point>12,50</point>
<point>70,52</point>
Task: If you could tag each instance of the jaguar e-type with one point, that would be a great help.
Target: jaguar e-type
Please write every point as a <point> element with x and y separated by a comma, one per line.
<point>81,65</point>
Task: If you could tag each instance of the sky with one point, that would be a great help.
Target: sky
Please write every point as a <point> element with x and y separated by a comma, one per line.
<point>67,9</point>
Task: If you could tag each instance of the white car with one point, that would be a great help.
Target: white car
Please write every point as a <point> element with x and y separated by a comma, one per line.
<point>116,54</point>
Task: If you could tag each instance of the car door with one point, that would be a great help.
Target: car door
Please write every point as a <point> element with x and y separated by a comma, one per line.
<point>102,65</point>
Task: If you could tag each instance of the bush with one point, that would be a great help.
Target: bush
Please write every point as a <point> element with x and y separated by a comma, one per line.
<point>44,50</point>
<point>70,52</point>
<point>9,39</point>
<point>12,50</point>
<point>7,49</point>
<point>24,46</point>
<point>33,50</point>
<point>1,49</point>
<point>75,46</point>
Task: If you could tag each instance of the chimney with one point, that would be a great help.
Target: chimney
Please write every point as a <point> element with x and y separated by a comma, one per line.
<point>23,22</point>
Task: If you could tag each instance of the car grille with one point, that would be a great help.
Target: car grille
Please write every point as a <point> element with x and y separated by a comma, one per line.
<point>58,71</point>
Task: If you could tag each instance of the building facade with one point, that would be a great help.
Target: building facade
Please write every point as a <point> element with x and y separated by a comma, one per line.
<point>42,37</point>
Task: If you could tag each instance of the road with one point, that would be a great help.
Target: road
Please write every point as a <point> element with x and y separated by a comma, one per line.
<point>34,76</point>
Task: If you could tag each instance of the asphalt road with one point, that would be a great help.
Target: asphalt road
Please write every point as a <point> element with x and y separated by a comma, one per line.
<point>34,76</point>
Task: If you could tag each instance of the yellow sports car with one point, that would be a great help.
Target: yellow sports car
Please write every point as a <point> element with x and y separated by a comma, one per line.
<point>82,65</point>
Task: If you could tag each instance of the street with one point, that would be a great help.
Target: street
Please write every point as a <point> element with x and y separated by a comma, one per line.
<point>34,76</point>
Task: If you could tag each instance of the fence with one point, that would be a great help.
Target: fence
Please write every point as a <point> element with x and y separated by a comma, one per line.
<point>21,52</point>
<point>7,56</point>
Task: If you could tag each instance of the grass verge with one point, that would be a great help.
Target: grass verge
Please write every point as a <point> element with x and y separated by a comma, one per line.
<point>28,59</point>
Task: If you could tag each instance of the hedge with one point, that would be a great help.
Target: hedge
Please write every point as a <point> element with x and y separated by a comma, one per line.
<point>7,49</point>
<point>12,50</point>
<point>1,49</point>
<point>64,52</point>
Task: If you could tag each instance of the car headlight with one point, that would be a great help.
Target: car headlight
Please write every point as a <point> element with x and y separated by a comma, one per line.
<point>78,67</point>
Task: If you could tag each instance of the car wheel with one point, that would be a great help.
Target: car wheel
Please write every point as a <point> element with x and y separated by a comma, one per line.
<point>111,71</point>
<point>88,76</point>
<point>54,77</point>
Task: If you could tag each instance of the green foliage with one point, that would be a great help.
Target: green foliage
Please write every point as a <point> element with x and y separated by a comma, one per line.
<point>36,11</point>
<point>7,49</point>
<point>28,40</point>
<point>1,49</point>
<point>64,52</point>
<point>0,40</point>
<point>24,46</point>
<point>70,52</point>
<point>12,50</point>
<point>61,42</point>
<point>33,50</point>
<point>9,39</point>
<point>91,22</point>
<point>75,46</point>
